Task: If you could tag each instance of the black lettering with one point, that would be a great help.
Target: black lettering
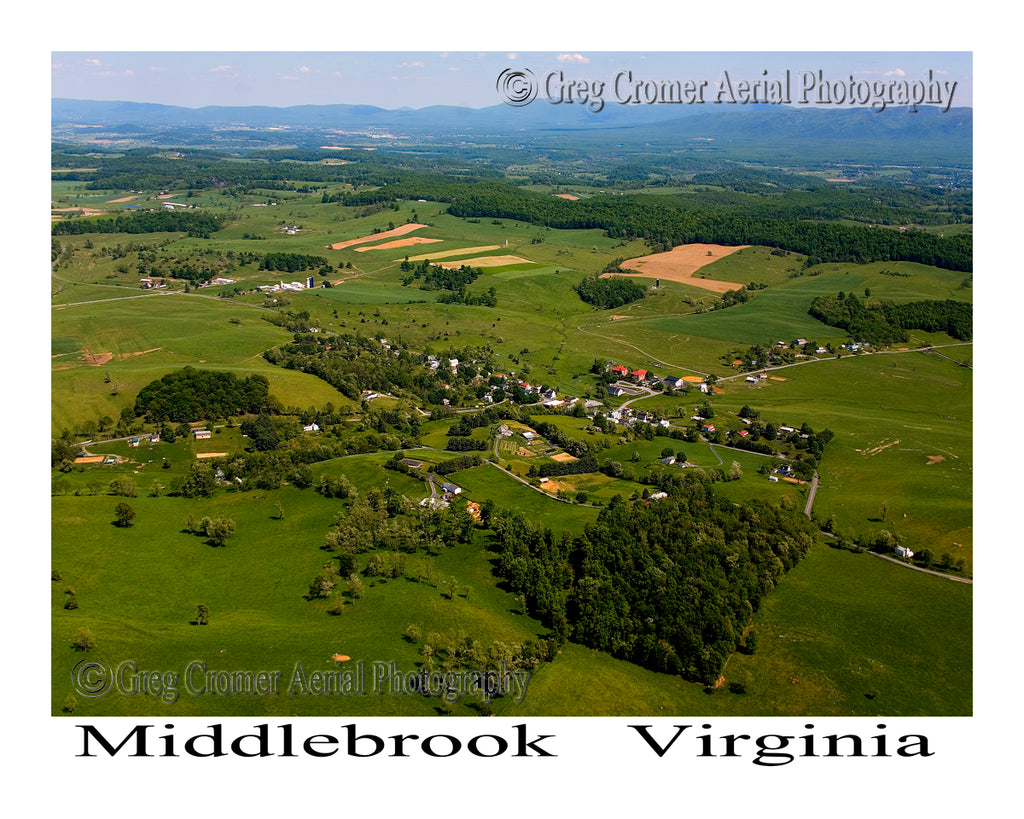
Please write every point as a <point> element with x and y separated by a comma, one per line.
<point>642,730</point>
<point>139,732</point>
<point>523,744</point>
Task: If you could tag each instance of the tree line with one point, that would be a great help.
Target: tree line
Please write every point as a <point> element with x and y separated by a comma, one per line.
<point>194,223</point>
<point>883,322</point>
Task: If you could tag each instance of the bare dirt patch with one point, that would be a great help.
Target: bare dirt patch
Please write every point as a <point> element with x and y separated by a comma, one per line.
<point>563,457</point>
<point>525,452</point>
<point>694,379</point>
<point>412,240</point>
<point>123,199</point>
<point>616,318</point>
<point>401,230</point>
<point>90,459</point>
<point>556,486</point>
<point>96,359</point>
<point>486,261</point>
<point>934,459</point>
<point>680,263</point>
<point>446,254</point>
<point>776,378</point>
<point>569,196</point>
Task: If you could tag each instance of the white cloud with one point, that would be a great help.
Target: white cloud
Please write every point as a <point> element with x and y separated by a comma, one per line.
<point>221,68</point>
<point>512,55</point>
<point>304,69</point>
<point>93,61</point>
<point>896,72</point>
<point>413,64</point>
<point>572,58</point>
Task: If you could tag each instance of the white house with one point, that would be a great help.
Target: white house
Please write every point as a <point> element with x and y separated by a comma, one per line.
<point>903,551</point>
<point>314,427</point>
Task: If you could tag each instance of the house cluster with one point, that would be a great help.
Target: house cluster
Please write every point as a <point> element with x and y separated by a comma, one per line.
<point>548,397</point>
<point>152,438</point>
<point>645,378</point>
<point>626,417</point>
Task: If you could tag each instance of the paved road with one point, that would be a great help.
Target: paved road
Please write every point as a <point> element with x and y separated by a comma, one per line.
<point>967,580</point>
<point>810,497</point>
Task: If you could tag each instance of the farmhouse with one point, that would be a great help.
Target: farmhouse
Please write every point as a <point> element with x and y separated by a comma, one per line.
<point>451,489</point>
<point>201,434</point>
<point>638,375</point>
<point>673,381</point>
<point>409,462</point>
<point>314,427</point>
<point>615,390</point>
<point>903,551</point>
<point>620,371</point>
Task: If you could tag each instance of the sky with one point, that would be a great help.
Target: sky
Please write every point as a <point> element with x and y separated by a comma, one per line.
<point>396,79</point>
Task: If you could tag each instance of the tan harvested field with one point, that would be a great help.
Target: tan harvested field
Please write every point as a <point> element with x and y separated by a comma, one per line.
<point>570,196</point>
<point>83,211</point>
<point>694,379</point>
<point>680,263</point>
<point>211,454</point>
<point>90,459</point>
<point>486,261</point>
<point>563,457</point>
<point>401,230</point>
<point>122,199</point>
<point>412,240</point>
<point>445,254</point>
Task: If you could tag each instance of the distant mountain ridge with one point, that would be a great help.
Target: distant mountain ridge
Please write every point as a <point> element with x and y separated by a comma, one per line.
<point>686,120</point>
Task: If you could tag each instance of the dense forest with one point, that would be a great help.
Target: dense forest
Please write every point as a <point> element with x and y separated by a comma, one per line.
<point>192,222</point>
<point>883,322</point>
<point>613,291</point>
<point>669,584</point>
<point>192,395</point>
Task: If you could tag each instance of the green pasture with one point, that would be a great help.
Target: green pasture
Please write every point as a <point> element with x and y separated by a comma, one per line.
<point>138,589</point>
<point>486,481</point>
<point>149,337</point>
<point>902,424</point>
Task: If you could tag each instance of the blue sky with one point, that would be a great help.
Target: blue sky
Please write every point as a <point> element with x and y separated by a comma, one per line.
<point>394,79</point>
